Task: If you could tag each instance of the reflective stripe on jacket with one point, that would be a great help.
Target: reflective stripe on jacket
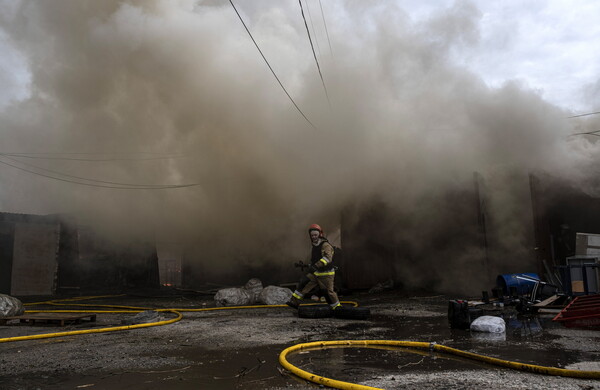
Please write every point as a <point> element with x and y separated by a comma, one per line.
<point>322,258</point>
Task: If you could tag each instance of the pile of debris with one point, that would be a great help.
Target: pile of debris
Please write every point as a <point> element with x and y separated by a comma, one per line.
<point>526,294</point>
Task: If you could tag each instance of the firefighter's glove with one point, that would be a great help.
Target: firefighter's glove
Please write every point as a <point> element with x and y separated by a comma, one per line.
<point>312,268</point>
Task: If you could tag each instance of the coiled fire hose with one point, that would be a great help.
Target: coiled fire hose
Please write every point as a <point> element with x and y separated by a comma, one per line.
<point>295,348</point>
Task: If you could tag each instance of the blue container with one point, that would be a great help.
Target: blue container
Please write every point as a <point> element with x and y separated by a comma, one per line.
<point>524,283</point>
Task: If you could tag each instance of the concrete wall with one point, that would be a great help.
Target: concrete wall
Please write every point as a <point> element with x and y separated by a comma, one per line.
<point>35,263</point>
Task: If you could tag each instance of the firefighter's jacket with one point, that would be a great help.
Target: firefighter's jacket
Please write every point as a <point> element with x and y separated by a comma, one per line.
<point>322,258</point>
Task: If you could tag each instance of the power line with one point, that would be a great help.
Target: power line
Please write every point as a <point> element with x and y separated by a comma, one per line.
<point>106,184</point>
<point>587,133</point>
<point>314,54</point>
<point>269,65</point>
<point>97,185</point>
<point>92,153</point>
<point>84,178</point>
<point>44,156</point>
<point>313,27</point>
<point>325,24</point>
<point>577,116</point>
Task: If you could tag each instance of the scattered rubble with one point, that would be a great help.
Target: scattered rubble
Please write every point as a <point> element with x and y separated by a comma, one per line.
<point>388,285</point>
<point>144,317</point>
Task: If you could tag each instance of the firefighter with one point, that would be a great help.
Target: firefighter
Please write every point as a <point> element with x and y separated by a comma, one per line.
<point>321,270</point>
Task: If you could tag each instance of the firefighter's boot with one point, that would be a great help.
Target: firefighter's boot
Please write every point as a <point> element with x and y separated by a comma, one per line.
<point>294,302</point>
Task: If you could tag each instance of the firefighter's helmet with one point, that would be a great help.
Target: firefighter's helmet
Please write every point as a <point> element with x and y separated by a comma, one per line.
<point>314,226</point>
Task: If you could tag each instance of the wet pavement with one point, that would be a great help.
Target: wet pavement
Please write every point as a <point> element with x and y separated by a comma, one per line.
<point>225,354</point>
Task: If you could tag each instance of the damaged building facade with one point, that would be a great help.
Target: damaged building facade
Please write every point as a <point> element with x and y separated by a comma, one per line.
<point>456,241</point>
<point>49,254</point>
<point>466,241</point>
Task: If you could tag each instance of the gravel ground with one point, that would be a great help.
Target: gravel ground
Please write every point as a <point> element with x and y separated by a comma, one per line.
<point>497,380</point>
<point>239,349</point>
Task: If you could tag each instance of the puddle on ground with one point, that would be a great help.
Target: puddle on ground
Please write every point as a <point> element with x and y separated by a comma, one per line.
<point>526,339</point>
<point>257,368</point>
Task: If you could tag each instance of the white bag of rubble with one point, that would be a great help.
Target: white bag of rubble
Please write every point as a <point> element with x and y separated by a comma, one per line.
<point>274,295</point>
<point>254,288</point>
<point>233,297</point>
<point>10,306</point>
<point>488,324</point>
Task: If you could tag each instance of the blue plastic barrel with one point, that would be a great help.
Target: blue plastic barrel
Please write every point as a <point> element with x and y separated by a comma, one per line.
<point>523,282</point>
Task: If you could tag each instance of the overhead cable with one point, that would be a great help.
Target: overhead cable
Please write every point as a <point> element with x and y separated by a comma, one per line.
<point>92,182</point>
<point>325,24</point>
<point>84,178</point>
<point>56,156</point>
<point>314,30</point>
<point>314,54</point>
<point>269,65</point>
<point>577,116</point>
<point>587,133</point>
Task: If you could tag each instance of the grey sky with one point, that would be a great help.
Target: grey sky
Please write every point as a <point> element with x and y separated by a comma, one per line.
<point>549,46</point>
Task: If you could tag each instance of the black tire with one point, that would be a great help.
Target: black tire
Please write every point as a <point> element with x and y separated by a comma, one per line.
<point>352,313</point>
<point>314,311</point>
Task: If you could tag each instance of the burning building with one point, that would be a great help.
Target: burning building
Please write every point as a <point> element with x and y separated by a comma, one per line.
<point>46,254</point>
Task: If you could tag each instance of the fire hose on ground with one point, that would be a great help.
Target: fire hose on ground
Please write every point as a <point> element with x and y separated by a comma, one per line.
<point>433,347</point>
<point>122,309</point>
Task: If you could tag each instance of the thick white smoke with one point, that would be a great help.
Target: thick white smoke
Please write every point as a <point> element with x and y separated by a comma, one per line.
<point>183,78</point>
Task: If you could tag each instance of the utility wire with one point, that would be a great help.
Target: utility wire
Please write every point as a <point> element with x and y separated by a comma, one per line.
<point>325,24</point>
<point>587,133</point>
<point>105,184</point>
<point>97,185</point>
<point>577,116</point>
<point>313,27</point>
<point>85,178</point>
<point>92,153</point>
<point>40,156</point>
<point>314,54</point>
<point>269,65</point>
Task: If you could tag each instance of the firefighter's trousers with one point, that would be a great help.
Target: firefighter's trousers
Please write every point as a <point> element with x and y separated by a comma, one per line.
<point>325,283</point>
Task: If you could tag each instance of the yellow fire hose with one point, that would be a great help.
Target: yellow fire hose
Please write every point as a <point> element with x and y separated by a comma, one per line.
<point>413,344</point>
<point>88,331</point>
<point>123,309</point>
<point>298,347</point>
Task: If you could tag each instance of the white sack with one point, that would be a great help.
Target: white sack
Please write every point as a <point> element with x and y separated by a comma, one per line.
<point>233,297</point>
<point>274,295</point>
<point>254,287</point>
<point>489,324</point>
<point>10,306</point>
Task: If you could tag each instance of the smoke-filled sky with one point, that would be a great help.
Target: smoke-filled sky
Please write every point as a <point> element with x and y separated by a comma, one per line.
<point>550,46</point>
<point>422,94</point>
